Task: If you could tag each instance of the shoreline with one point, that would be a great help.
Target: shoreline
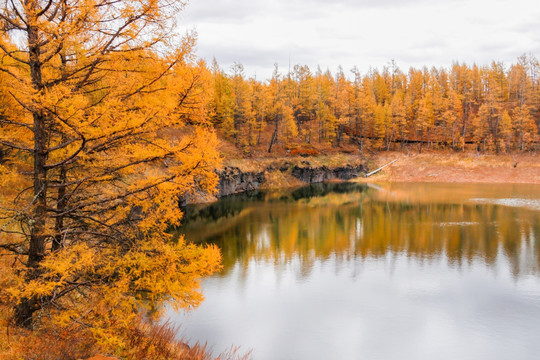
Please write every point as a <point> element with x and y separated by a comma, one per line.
<point>244,174</point>
<point>435,166</point>
<point>446,167</point>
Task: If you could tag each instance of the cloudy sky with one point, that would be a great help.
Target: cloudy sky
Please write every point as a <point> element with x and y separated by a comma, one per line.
<point>362,33</point>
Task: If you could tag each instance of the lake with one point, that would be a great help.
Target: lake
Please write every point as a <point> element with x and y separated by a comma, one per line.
<point>386,271</point>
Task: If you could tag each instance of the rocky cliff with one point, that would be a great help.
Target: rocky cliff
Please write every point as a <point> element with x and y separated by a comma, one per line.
<point>232,180</point>
<point>310,175</point>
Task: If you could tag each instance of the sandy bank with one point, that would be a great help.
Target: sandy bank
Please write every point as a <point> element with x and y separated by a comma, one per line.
<point>456,167</point>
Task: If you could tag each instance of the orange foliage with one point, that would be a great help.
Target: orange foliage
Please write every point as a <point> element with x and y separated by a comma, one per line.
<point>383,110</point>
<point>90,179</point>
<point>303,152</point>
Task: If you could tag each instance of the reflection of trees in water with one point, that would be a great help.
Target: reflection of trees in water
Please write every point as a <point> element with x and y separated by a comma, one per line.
<point>319,222</point>
<point>461,232</point>
<point>232,205</point>
<point>324,189</point>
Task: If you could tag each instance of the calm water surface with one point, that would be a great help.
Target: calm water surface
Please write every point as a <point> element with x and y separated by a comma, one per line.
<point>389,271</point>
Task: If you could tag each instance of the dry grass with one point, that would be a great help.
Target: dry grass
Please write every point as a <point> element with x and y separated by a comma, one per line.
<point>257,158</point>
<point>429,166</point>
<point>158,341</point>
<point>280,180</point>
<point>145,341</point>
<point>261,164</point>
<point>20,344</point>
<point>457,167</point>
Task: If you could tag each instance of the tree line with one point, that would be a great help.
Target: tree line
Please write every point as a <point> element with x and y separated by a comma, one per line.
<point>493,108</point>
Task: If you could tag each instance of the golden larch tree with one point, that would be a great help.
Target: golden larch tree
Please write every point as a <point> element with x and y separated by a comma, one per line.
<point>103,127</point>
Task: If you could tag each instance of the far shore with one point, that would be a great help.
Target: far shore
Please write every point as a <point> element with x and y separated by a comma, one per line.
<point>456,168</point>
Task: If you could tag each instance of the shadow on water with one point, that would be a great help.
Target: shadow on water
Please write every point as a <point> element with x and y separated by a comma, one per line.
<point>232,205</point>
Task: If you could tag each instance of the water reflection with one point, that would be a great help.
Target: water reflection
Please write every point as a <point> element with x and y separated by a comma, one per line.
<point>349,271</point>
<point>355,220</point>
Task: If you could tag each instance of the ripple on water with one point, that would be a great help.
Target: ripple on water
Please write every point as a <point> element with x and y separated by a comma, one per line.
<point>533,204</point>
<point>458,223</point>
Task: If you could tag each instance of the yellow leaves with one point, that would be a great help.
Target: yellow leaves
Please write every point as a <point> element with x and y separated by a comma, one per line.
<point>7,176</point>
<point>192,83</point>
<point>523,125</point>
<point>65,264</point>
<point>153,270</point>
<point>56,271</point>
<point>7,277</point>
<point>120,131</point>
<point>382,120</point>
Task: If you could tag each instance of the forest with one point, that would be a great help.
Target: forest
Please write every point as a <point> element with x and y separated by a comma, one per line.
<point>491,108</point>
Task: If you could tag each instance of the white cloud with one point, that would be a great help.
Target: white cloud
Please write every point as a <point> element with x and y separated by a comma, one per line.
<point>259,33</point>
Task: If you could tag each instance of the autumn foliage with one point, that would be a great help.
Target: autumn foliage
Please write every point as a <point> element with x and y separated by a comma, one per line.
<point>492,108</point>
<point>106,118</point>
<point>90,172</point>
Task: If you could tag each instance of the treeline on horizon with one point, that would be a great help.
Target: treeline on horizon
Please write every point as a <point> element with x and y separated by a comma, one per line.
<point>492,108</point>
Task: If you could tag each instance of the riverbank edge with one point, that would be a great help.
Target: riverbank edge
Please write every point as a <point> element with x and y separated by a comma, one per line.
<point>241,175</point>
<point>232,180</point>
<point>449,167</point>
<point>276,175</point>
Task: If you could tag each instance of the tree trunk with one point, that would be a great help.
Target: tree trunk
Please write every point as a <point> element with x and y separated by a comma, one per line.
<point>24,312</point>
<point>36,251</point>
<point>464,123</point>
<point>272,141</point>
<point>61,203</point>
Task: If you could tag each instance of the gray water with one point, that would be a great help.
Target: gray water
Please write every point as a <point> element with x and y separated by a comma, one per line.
<point>390,271</point>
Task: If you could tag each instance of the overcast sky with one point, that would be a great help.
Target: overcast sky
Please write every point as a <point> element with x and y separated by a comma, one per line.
<point>259,33</point>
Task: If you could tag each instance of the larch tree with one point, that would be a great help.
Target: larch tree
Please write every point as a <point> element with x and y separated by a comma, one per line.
<point>521,94</point>
<point>275,102</point>
<point>426,118</point>
<point>280,112</point>
<point>342,105</point>
<point>242,110</point>
<point>102,129</point>
<point>223,101</point>
<point>325,114</point>
<point>382,126</point>
<point>256,122</point>
<point>304,102</point>
<point>399,120</point>
<point>367,106</point>
<point>490,113</point>
<point>436,107</point>
<point>462,83</point>
<point>523,126</point>
<point>438,90</point>
<point>451,117</point>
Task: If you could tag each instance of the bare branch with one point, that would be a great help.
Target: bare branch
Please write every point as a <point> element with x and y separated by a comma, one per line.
<point>18,147</point>
<point>39,14</point>
<point>11,74</point>
<point>10,54</point>
<point>15,123</point>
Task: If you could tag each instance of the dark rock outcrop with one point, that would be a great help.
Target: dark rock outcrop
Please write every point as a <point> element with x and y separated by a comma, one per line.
<point>309,174</point>
<point>348,172</point>
<point>232,181</point>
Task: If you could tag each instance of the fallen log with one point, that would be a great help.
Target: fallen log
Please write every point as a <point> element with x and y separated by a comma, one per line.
<point>379,169</point>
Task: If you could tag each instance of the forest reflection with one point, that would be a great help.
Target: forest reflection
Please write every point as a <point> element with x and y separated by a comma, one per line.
<point>348,221</point>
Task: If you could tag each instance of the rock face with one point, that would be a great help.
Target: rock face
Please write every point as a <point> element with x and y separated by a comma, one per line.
<point>311,175</point>
<point>232,180</point>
